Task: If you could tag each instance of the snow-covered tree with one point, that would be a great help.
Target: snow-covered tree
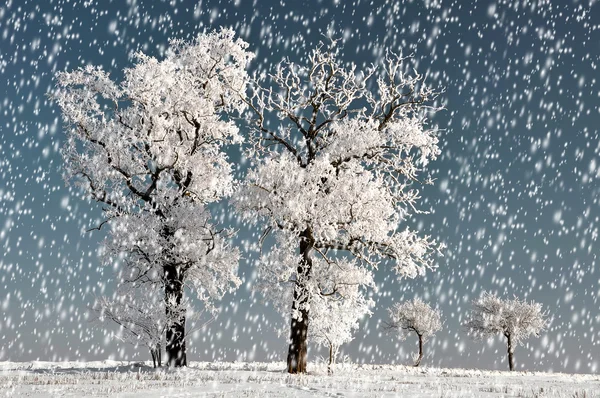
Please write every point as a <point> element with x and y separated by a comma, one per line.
<point>338,303</point>
<point>150,149</point>
<point>334,319</point>
<point>140,314</point>
<point>415,316</point>
<point>338,174</point>
<point>515,319</point>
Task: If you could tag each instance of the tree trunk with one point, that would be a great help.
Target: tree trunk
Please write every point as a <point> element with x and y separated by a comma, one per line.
<point>330,366</point>
<point>175,335</point>
<point>156,355</point>
<point>298,347</point>
<point>297,351</point>
<point>159,354</point>
<point>511,350</point>
<point>420,350</point>
<point>152,353</point>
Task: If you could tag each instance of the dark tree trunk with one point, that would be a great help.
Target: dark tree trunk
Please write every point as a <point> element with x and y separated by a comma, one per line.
<point>297,351</point>
<point>298,347</point>
<point>420,350</point>
<point>156,355</point>
<point>175,336</point>
<point>511,351</point>
<point>153,354</point>
<point>159,355</point>
<point>330,366</point>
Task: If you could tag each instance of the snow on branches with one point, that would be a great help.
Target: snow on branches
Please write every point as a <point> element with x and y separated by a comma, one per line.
<point>514,319</point>
<point>186,237</point>
<point>334,292</point>
<point>151,150</point>
<point>338,174</point>
<point>159,133</point>
<point>338,279</point>
<point>492,315</point>
<point>415,316</point>
<point>140,315</point>
<point>342,161</point>
<point>339,304</point>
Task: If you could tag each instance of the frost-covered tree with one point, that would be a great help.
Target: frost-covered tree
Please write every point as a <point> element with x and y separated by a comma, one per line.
<point>337,304</point>
<point>335,319</point>
<point>150,149</point>
<point>337,174</point>
<point>515,319</point>
<point>141,317</point>
<point>415,316</point>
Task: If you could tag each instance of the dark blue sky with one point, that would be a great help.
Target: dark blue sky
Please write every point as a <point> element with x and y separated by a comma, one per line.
<point>515,201</point>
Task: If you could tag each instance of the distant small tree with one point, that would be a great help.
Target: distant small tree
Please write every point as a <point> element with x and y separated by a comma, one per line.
<point>414,316</point>
<point>140,315</point>
<point>515,319</point>
<point>339,305</point>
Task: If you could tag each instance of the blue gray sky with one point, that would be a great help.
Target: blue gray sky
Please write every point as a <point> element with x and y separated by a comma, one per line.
<point>515,200</point>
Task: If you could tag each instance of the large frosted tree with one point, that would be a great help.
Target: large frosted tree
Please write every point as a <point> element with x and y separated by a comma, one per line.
<point>150,149</point>
<point>515,319</point>
<point>337,151</point>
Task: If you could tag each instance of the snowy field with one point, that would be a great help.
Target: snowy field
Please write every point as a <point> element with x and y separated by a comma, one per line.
<point>120,379</point>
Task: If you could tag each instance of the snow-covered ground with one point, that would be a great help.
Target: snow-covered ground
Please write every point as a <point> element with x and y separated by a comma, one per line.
<point>122,379</point>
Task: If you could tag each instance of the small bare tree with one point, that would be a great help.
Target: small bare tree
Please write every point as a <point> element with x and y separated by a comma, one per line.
<point>515,319</point>
<point>414,316</point>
